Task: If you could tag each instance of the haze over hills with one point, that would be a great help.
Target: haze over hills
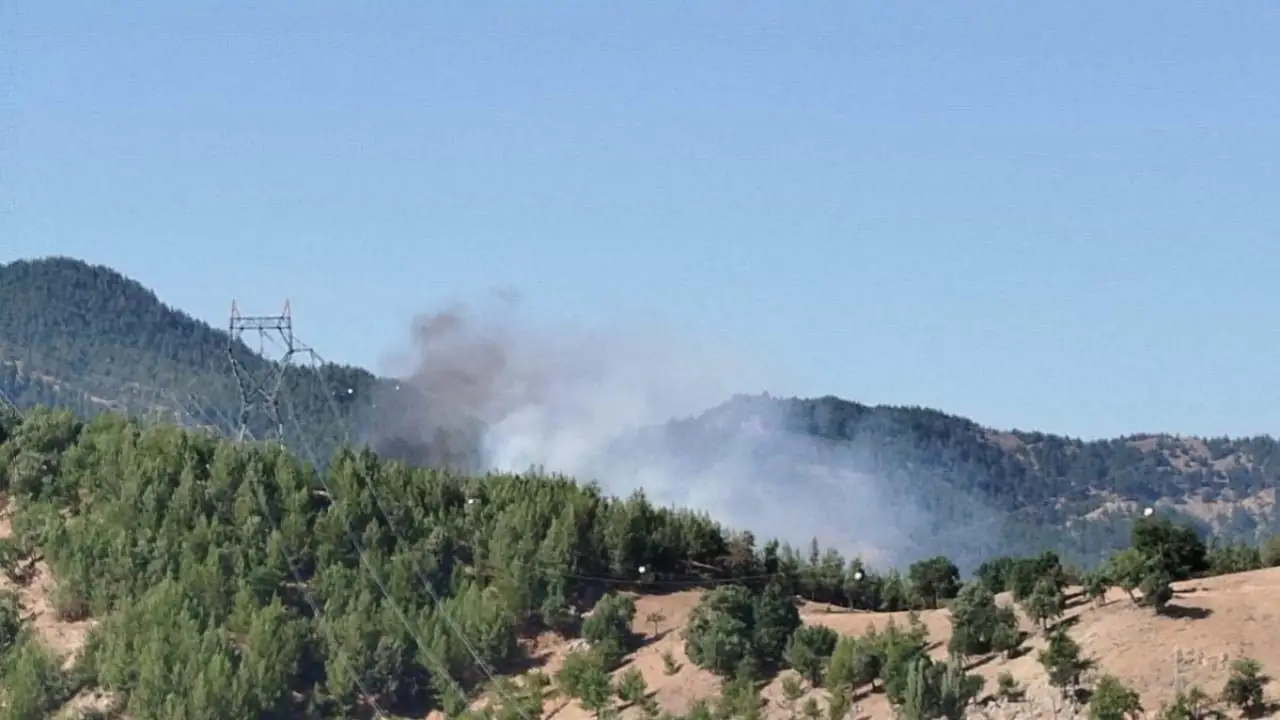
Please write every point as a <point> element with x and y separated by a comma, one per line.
<point>894,484</point>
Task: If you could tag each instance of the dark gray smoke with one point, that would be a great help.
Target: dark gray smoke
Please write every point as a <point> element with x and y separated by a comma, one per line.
<point>483,388</point>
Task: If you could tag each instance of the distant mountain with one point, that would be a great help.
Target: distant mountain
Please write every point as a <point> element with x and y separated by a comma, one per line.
<point>88,338</point>
<point>983,492</point>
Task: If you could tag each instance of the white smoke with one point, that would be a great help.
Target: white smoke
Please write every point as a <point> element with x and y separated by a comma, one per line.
<point>594,404</point>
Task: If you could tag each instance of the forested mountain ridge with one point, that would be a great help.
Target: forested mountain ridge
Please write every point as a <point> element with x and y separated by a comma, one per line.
<point>1075,496</point>
<point>86,337</point>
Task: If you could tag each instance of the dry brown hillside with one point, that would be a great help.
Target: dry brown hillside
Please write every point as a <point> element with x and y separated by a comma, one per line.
<point>1217,619</point>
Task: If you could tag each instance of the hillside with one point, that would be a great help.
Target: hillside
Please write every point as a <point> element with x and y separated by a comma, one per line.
<point>155,572</point>
<point>1225,618</point>
<point>87,338</point>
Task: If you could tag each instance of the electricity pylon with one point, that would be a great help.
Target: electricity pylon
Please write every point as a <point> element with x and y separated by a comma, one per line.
<point>259,378</point>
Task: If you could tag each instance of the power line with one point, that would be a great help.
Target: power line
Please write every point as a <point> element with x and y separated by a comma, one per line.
<point>441,610</point>
<point>303,585</point>
<point>261,392</point>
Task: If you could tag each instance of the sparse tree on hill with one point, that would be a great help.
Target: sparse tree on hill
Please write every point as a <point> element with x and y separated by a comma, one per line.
<point>775,619</point>
<point>809,651</point>
<point>1113,700</point>
<point>1176,550</point>
<point>792,690</point>
<point>719,633</point>
<point>608,627</point>
<point>1244,686</point>
<point>854,662</point>
<point>1063,662</point>
<point>631,687</point>
<point>1007,637</point>
<point>1192,704</point>
<point>978,625</point>
<point>585,677</point>
<point>1096,585</point>
<point>1126,569</point>
<point>1045,604</point>
<point>839,706</point>
<point>740,695</point>
<point>730,625</point>
<point>937,690</point>
<point>897,650</point>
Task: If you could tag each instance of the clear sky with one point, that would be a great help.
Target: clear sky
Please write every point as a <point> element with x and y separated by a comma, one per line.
<point>1060,216</point>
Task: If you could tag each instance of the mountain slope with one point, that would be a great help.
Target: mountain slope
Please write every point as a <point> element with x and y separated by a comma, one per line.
<point>86,337</point>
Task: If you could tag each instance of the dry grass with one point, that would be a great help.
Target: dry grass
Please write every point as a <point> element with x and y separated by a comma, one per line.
<point>1214,621</point>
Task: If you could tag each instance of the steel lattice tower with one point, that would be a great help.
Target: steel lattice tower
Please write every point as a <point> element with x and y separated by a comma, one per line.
<point>260,387</point>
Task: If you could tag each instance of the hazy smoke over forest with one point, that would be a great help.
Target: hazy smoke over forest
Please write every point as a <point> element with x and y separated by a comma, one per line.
<point>492,390</point>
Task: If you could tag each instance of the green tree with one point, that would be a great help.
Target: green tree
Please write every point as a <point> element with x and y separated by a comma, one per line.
<point>1244,686</point>
<point>1006,637</point>
<point>774,620</point>
<point>1157,590</point>
<point>937,690</point>
<point>10,621</point>
<point>977,624</point>
<point>1095,588</point>
<point>631,687</point>
<point>718,635</point>
<point>854,662</point>
<point>1113,700</point>
<point>809,651</point>
<point>1045,604</point>
<point>34,684</point>
<point>608,627</point>
<point>1063,662</point>
<point>1176,550</point>
<point>934,580</point>
<point>730,625</point>
<point>1126,569</point>
<point>585,677</point>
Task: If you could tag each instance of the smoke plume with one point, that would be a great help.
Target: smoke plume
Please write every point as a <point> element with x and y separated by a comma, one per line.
<point>635,408</point>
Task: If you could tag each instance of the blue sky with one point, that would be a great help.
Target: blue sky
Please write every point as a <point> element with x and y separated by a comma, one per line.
<point>1059,216</point>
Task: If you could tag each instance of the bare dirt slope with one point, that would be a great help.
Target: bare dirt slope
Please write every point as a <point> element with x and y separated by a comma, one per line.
<point>66,638</point>
<point>1215,621</point>
<point>35,597</point>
